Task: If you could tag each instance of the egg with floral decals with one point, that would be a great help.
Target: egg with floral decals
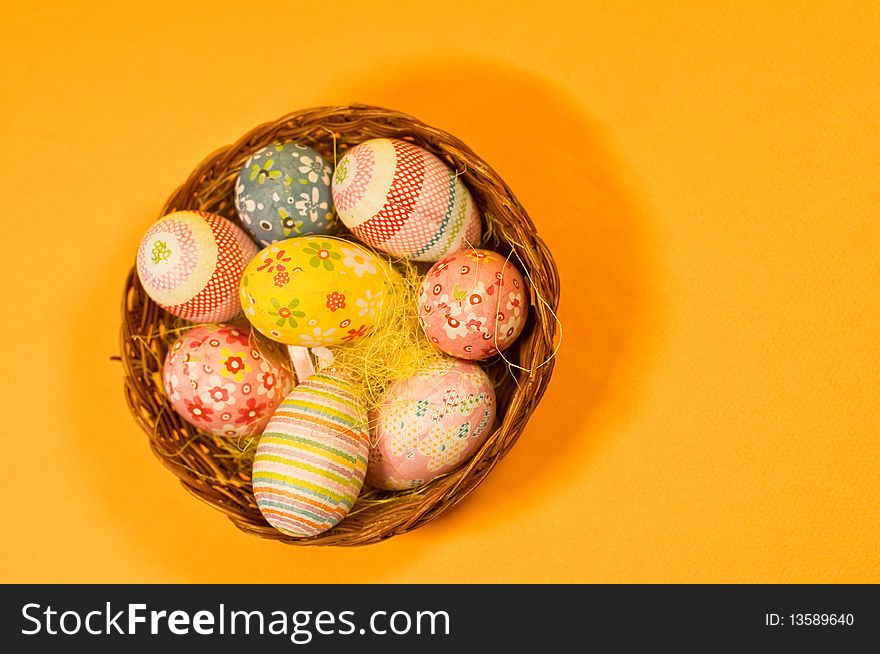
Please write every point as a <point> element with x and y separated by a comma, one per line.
<point>430,424</point>
<point>401,199</point>
<point>283,191</point>
<point>190,263</point>
<point>218,379</point>
<point>473,304</point>
<point>315,291</point>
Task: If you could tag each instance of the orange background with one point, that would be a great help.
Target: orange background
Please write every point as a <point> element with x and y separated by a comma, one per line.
<point>706,175</point>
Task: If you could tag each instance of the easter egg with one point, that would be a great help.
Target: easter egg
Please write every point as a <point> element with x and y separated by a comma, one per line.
<point>430,424</point>
<point>473,304</point>
<point>218,381</point>
<point>190,264</point>
<point>311,459</point>
<point>310,291</point>
<point>282,191</point>
<point>401,199</point>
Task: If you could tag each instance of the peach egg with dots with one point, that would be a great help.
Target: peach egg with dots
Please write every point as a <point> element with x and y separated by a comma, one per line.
<point>190,263</point>
<point>404,201</point>
<point>473,304</point>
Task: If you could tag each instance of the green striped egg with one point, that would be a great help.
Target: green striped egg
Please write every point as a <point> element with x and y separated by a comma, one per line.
<point>312,457</point>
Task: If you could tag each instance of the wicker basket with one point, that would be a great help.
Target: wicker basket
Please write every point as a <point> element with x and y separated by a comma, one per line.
<point>202,461</point>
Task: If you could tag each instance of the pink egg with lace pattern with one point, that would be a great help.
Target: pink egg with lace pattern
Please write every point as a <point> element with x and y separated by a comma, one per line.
<point>473,304</point>
<point>430,424</point>
<point>218,381</point>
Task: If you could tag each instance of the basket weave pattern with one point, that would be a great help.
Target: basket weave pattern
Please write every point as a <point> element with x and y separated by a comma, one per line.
<point>202,462</point>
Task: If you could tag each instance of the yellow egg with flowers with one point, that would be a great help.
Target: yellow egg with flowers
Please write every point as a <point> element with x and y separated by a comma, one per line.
<point>315,291</point>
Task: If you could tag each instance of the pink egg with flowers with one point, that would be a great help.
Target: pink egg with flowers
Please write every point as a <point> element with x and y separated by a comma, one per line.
<point>473,304</point>
<point>218,380</point>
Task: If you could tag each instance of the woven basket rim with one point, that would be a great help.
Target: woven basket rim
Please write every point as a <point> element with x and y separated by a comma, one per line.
<point>192,455</point>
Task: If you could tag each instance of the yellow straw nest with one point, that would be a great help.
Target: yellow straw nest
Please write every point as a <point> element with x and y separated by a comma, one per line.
<point>397,348</point>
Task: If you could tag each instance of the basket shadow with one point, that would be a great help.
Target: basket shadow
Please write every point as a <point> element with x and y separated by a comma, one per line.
<point>557,161</point>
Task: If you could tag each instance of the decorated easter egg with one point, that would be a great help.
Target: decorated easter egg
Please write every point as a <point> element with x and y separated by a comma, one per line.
<point>282,191</point>
<point>473,304</point>
<point>401,199</point>
<point>312,291</point>
<point>190,264</point>
<point>430,424</point>
<point>218,381</point>
<point>311,459</point>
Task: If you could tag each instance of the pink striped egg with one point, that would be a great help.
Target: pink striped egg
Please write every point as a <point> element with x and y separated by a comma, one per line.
<point>401,199</point>
<point>190,264</point>
<point>311,460</point>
